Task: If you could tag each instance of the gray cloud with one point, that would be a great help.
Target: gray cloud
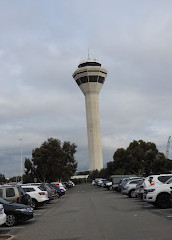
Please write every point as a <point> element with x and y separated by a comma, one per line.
<point>41,45</point>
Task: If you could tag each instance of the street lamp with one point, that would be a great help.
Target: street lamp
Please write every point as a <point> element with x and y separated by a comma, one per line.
<point>21,160</point>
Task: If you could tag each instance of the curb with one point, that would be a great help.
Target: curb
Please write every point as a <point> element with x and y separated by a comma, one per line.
<point>7,237</point>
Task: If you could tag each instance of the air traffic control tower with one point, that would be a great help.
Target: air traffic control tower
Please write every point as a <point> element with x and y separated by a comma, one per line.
<point>90,77</point>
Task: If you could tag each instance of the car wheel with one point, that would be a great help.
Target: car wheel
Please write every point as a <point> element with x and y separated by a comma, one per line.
<point>34,204</point>
<point>132,194</point>
<point>11,220</point>
<point>58,195</point>
<point>163,200</point>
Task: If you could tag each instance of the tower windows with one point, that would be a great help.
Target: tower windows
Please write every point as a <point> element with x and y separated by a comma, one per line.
<point>84,79</point>
<point>90,79</point>
<point>93,78</point>
<point>78,82</point>
<point>89,64</point>
<point>101,79</point>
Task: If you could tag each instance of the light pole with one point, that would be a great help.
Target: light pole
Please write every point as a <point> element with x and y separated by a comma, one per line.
<point>21,160</point>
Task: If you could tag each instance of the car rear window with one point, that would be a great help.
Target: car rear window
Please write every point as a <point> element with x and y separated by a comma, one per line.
<point>163,179</point>
<point>134,182</point>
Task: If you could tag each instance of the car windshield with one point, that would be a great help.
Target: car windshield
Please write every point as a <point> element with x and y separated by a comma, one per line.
<point>169,181</point>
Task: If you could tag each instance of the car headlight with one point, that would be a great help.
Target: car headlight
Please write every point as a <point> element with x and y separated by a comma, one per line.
<point>150,190</point>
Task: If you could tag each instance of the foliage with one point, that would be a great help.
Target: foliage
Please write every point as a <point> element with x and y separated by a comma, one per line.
<point>53,161</point>
<point>15,179</point>
<point>140,158</point>
<point>2,178</point>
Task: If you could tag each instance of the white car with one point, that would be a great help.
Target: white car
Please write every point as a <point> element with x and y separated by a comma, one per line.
<point>159,195</point>
<point>109,185</point>
<point>39,196</point>
<point>154,180</point>
<point>2,215</point>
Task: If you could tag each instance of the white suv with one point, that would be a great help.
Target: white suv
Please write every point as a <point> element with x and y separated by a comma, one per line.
<point>154,180</point>
<point>159,195</point>
<point>39,197</point>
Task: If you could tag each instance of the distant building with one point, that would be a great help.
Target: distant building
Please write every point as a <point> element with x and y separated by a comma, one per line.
<point>83,177</point>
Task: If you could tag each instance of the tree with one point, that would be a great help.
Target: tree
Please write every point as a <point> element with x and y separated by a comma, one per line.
<point>52,162</point>
<point>2,178</point>
<point>140,158</point>
<point>30,172</point>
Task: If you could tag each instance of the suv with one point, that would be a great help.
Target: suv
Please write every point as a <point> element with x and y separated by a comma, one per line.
<point>15,194</point>
<point>154,180</point>
<point>38,195</point>
<point>10,193</point>
<point>124,181</point>
<point>159,195</point>
<point>130,186</point>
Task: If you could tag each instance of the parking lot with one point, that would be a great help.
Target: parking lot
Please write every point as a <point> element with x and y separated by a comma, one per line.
<point>89,212</point>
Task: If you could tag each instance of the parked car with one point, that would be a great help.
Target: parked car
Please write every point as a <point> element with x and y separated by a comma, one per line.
<point>103,183</point>
<point>171,198</point>
<point>60,186</point>
<point>115,183</point>
<point>97,181</point>
<point>51,192</point>
<point>100,182</point>
<point>71,182</point>
<point>93,182</point>
<point>130,186</point>
<point>45,187</point>
<point>24,197</point>
<point>16,212</point>
<point>140,189</point>
<point>38,195</point>
<point>108,185</point>
<point>68,184</point>
<point>2,215</point>
<point>159,195</point>
<point>59,192</point>
<point>124,181</point>
<point>154,180</point>
<point>14,193</point>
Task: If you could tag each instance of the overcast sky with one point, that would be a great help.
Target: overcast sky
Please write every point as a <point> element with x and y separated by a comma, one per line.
<point>41,44</point>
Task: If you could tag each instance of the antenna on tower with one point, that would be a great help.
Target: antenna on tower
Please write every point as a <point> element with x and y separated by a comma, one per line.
<point>88,53</point>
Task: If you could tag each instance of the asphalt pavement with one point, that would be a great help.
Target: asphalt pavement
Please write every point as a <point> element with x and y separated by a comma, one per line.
<point>93,213</point>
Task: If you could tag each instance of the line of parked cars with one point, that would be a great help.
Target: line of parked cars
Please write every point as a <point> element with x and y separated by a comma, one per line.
<point>18,201</point>
<point>154,189</point>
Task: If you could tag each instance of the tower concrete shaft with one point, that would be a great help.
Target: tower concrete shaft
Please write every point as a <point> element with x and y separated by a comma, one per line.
<point>90,77</point>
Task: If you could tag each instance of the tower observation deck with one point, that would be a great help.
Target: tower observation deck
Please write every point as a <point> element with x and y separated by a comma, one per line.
<point>90,77</point>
